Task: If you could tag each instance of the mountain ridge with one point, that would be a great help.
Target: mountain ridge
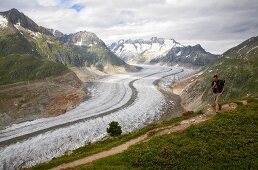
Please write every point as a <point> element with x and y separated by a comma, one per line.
<point>14,16</point>
<point>21,35</point>
<point>159,50</point>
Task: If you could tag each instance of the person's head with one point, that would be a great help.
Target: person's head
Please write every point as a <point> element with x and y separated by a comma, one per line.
<point>215,77</point>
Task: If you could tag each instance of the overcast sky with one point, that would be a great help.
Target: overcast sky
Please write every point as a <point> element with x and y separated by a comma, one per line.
<point>216,25</point>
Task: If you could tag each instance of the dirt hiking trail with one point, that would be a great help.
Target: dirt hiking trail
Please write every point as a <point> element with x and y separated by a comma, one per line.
<point>181,126</point>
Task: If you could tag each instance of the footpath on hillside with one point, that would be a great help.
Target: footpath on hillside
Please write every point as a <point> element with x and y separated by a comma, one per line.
<point>181,126</point>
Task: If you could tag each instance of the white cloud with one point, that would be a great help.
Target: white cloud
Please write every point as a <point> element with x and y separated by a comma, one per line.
<point>48,3</point>
<point>213,24</point>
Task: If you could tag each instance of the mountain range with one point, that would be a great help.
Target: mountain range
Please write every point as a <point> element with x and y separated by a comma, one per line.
<point>22,39</point>
<point>160,50</point>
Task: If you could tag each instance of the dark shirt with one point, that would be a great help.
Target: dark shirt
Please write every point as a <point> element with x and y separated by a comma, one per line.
<point>218,87</point>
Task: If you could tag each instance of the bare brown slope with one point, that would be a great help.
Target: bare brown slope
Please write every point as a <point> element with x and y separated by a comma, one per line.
<point>31,100</point>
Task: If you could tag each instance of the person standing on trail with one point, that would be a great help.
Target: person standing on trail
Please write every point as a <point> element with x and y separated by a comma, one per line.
<point>217,87</point>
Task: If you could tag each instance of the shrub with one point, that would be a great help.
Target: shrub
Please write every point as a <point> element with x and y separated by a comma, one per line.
<point>187,113</point>
<point>199,112</point>
<point>100,67</point>
<point>114,129</point>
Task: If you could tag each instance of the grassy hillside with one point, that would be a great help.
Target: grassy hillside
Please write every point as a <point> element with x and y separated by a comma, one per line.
<point>27,55</point>
<point>238,67</point>
<point>52,49</point>
<point>102,57</point>
<point>30,44</point>
<point>15,43</point>
<point>228,141</point>
<point>14,68</point>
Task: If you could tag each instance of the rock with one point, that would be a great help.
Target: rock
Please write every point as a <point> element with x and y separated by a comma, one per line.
<point>68,152</point>
<point>229,106</point>
<point>184,122</point>
<point>244,102</point>
<point>192,120</point>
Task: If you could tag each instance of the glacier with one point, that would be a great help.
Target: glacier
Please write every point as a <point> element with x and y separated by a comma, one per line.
<point>108,93</point>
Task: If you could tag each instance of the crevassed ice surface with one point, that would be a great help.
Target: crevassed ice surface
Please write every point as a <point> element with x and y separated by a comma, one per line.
<point>107,93</point>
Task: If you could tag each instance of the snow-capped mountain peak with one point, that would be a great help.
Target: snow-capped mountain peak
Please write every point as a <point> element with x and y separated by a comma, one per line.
<point>83,38</point>
<point>145,49</point>
<point>15,18</point>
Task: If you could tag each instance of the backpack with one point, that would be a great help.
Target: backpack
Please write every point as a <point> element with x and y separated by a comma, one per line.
<point>219,86</point>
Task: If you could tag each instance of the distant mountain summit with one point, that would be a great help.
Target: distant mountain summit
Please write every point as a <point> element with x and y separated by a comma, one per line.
<point>16,17</point>
<point>193,55</point>
<point>93,48</point>
<point>83,38</point>
<point>140,50</point>
<point>160,50</point>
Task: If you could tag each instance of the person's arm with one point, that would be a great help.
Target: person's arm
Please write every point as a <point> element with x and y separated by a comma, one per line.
<point>222,90</point>
<point>213,84</point>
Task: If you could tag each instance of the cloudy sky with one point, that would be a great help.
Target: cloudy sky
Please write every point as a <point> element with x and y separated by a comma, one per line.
<point>216,25</point>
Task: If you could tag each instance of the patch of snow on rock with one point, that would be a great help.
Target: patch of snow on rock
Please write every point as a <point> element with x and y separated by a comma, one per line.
<point>3,21</point>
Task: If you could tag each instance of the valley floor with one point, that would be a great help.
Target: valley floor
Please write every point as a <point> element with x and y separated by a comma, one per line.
<point>130,98</point>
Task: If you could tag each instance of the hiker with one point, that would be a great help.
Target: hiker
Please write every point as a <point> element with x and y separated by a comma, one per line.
<point>217,87</point>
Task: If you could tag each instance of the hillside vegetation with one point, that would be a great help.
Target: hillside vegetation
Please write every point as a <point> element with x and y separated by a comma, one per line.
<point>22,37</point>
<point>14,68</point>
<point>238,67</point>
<point>228,141</point>
<point>106,144</point>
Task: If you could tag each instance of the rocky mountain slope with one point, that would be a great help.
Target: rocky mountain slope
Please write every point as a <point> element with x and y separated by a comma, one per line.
<point>42,53</point>
<point>238,67</point>
<point>160,50</point>
<point>193,55</point>
<point>36,77</point>
<point>93,49</point>
<point>28,51</point>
